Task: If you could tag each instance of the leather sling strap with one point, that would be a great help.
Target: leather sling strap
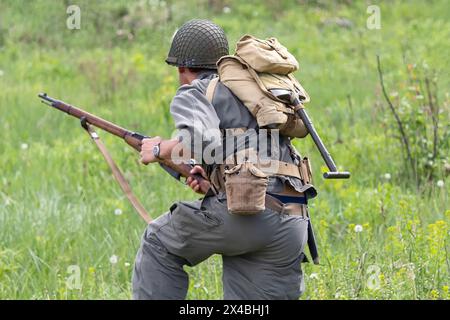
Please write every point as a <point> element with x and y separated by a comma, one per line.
<point>118,175</point>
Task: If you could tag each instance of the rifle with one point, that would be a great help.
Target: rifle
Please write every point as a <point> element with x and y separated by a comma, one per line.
<point>134,139</point>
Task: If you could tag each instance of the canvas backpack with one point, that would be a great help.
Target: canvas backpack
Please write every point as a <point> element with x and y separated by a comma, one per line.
<point>257,67</point>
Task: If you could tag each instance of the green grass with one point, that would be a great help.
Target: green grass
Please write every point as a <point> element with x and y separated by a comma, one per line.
<point>58,198</point>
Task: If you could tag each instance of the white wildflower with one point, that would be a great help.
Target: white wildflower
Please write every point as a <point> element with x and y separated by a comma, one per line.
<point>127,264</point>
<point>314,276</point>
<point>440,183</point>
<point>24,146</point>
<point>226,10</point>
<point>113,259</point>
<point>387,176</point>
<point>358,228</point>
<point>118,212</point>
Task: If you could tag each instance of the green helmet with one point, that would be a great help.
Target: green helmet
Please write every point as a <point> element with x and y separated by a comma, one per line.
<point>198,44</point>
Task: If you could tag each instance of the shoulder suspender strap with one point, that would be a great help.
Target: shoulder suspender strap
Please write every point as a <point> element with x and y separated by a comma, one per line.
<point>211,89</point>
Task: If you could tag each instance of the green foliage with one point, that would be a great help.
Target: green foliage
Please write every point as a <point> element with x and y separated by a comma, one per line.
<point>420,120</point>
<point>379,237</point>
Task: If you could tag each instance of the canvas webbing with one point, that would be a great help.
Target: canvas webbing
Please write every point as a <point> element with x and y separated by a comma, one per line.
<point>282,168</point>
<point>211,88</point>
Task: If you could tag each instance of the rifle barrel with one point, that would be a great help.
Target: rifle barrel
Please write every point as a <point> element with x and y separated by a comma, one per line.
<point>90,118</point>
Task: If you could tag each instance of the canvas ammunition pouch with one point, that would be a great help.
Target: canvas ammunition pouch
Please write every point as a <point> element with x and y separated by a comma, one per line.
<point>257,67</point>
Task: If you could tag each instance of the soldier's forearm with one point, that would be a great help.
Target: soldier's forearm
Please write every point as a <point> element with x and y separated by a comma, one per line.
<point>167,148</point>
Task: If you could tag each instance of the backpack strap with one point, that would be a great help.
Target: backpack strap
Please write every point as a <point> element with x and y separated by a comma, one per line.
<point>211,89</point>
<point>210,95</point>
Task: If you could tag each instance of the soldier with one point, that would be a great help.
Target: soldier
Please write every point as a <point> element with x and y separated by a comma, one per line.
<point>261,252</point>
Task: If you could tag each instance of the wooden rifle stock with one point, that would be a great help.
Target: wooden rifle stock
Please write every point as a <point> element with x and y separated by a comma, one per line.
<point>134,139</point>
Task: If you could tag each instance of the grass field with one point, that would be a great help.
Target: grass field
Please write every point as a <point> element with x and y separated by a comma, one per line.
<point>381,234</point>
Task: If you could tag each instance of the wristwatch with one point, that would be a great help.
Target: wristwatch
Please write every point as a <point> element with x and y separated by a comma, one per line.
<point>157,150</point>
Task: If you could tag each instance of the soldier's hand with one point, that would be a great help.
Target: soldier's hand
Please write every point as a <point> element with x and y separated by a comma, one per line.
<point>146,153</point>
<point>193,183</point>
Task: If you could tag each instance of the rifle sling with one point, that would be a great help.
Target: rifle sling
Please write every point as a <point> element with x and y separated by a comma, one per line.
<point>118,175</point>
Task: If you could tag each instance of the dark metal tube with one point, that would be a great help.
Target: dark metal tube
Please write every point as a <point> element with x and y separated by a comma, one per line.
<point>312,131</point>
